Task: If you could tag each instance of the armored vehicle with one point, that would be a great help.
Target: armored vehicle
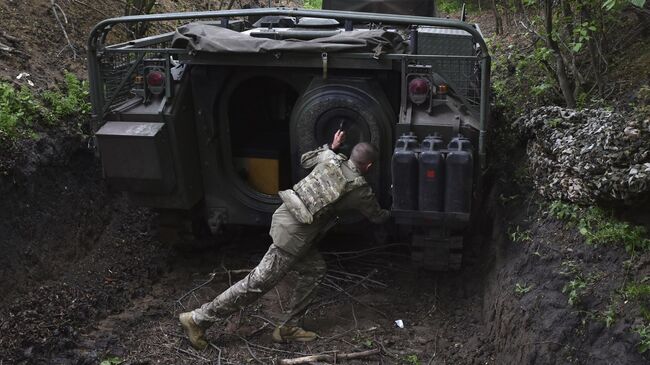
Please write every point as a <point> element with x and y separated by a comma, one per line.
<point>208,120</point>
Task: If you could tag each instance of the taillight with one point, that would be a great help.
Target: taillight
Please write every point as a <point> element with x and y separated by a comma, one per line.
<point>418,90</point>
<point>156,82</point>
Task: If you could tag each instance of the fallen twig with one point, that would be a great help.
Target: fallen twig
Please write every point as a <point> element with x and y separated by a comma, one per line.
<point>218,349</point>
<point>5,48</point>
<point>341,290</point>
<point>248,347</point>
<point>330,358</point>
<point>55,6</point>
<point>212,275</point>
<point>223,266</point>
<point>10,38</point>
<point>192,354</point>
<point>365,278</point>
<point>364,250</point>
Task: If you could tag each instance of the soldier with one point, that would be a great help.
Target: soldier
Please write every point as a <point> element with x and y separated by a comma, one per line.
<point>308,210</point>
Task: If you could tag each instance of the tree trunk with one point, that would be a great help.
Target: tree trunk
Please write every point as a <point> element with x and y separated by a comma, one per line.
<point>593,52</point>
<point>563,80</point>
<point>498,29</point>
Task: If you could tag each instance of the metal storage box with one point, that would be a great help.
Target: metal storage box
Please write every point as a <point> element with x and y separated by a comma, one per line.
<point>136,156</point>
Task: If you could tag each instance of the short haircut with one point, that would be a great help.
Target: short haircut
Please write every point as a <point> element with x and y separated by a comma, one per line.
<point>364,153</point>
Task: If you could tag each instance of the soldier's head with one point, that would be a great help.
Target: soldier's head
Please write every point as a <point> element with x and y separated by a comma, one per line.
<point>364,156</point>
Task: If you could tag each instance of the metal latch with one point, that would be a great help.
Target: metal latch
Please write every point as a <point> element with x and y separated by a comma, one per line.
<point>324,58</point>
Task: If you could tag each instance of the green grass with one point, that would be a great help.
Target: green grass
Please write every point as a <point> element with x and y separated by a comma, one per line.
<point>600,227</point>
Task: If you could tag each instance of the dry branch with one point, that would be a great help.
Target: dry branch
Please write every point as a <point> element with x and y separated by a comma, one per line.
<point>330,358</point>
<point>55,6</point>
<point>212,276</point>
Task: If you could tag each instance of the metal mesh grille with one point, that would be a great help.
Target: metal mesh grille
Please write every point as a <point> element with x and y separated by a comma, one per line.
<point>115,68</point>
<point>462,75</point>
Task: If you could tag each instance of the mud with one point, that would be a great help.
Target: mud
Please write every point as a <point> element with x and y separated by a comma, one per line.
<point>86,279</point>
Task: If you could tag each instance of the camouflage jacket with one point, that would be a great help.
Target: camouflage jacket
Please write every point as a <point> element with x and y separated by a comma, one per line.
<point>333,178</point>
<point>292,235</point>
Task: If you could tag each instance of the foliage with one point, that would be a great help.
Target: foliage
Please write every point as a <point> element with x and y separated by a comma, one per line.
<point>644,333</point>
<point>73,100</point>
<point>574,43</point>
<point>111,360</point>
<point>21,110</point>
<point>313,4</point>
<point>602,228</point>
<point>521,289</point>
<point>576,289</point>
<point>519,235</point>
<point>449,6</point>
<point>520,81</point>
<point>609,315</point>
<point>412,360</point>
<point>640,292</point>
<point>18,110</point>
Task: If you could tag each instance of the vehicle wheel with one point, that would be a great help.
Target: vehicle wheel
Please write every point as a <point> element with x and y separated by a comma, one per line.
<point>359,105</point>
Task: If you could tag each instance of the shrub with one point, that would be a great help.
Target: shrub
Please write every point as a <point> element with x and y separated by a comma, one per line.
<point>73,100</point>
<point>18,110</point>
<point>602,228</point>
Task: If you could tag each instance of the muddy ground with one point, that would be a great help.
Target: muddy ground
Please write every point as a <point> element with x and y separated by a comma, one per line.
<point>85,279</point>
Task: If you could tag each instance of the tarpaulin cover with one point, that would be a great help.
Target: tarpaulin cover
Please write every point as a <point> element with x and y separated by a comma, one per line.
<point>201,37</point>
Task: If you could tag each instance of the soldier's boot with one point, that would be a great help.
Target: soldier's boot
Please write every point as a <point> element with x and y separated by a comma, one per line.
<point>293,333</point>
<point>194,332</point>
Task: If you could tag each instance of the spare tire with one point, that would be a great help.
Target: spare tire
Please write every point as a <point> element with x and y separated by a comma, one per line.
<point>360,104</point>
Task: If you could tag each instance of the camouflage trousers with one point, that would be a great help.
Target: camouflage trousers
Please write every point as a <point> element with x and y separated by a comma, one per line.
<point>273,267</point>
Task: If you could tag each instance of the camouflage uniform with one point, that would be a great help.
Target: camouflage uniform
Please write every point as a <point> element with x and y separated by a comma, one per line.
<point>293,241</point>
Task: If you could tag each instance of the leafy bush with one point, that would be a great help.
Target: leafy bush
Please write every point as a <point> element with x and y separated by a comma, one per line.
<point>21,109</point>
<point>520,78</point>
<point>601,228</point>
<point>72,101</point>
<point>18,110</point>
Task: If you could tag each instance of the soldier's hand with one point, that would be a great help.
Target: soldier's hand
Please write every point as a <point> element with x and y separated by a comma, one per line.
<point>339,138</point>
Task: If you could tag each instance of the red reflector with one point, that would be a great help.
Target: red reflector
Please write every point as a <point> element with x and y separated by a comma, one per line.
<point>155,78</point>
<point>418,90</point>
<point>418,86</point>
<point>431,174</point>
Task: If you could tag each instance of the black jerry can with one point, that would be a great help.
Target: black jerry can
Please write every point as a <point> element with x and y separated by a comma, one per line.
<point>431,174</point>
<point>404,171</point>
<point>459,172</point>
